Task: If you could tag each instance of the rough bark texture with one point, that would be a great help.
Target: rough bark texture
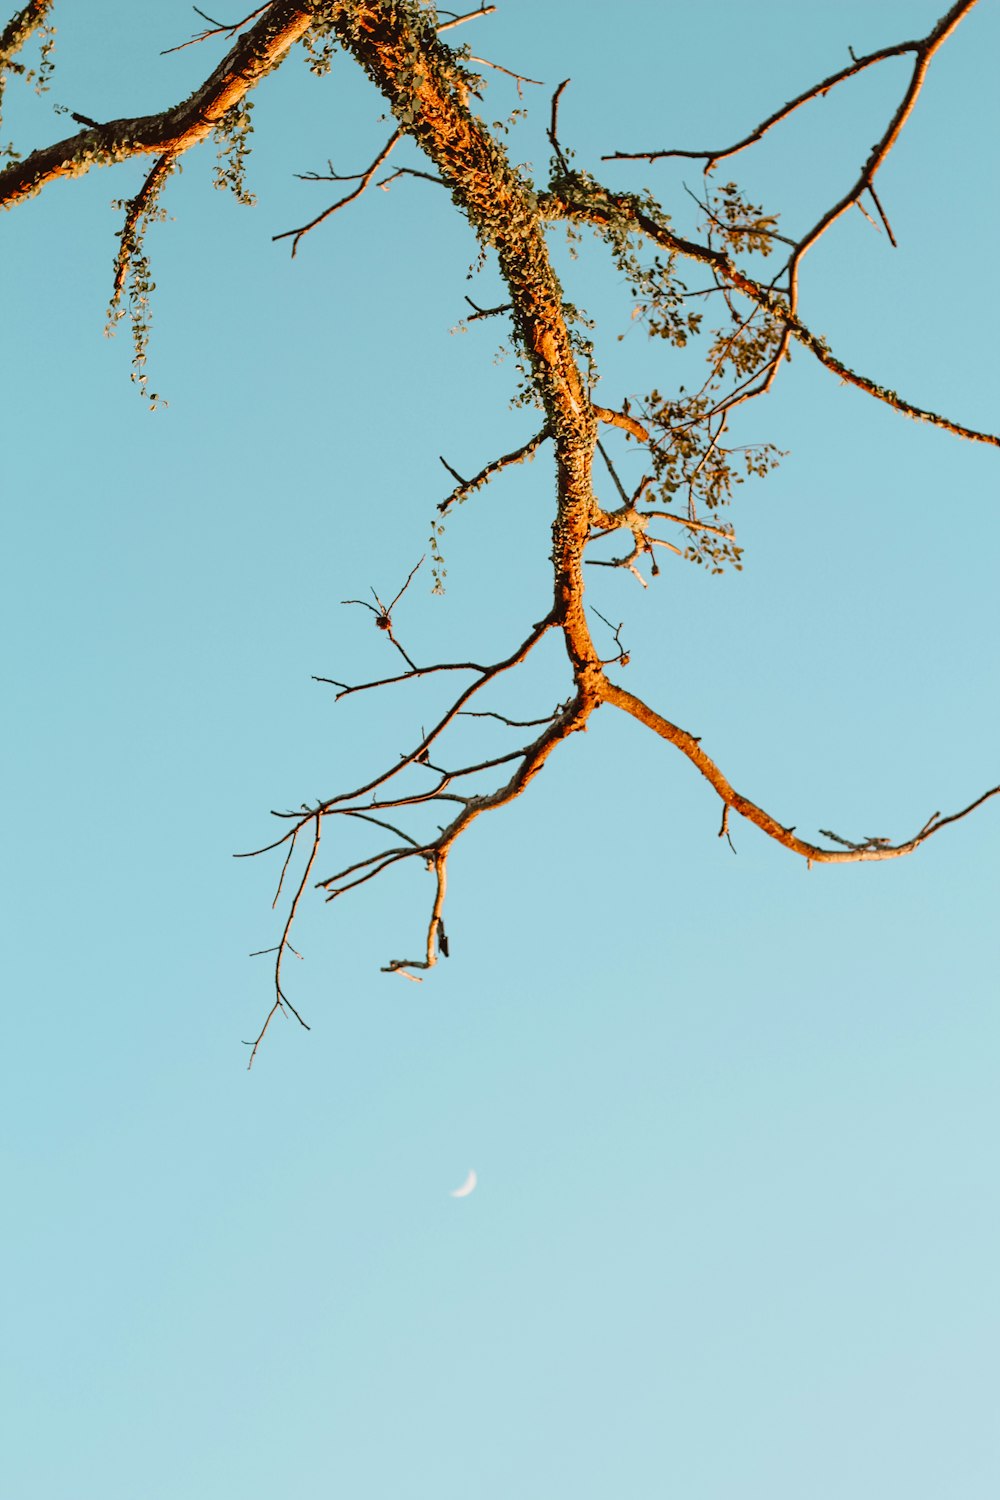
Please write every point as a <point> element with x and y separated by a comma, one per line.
<point>428,88</point>
<point>173,130</point>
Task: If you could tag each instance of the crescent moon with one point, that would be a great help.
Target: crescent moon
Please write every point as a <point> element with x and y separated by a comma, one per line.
<point>468,1186</point>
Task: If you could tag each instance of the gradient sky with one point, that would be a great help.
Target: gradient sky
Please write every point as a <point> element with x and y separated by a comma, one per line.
<point>735,1123</point>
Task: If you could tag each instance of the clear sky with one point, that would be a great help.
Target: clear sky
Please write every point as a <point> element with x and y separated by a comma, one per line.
<point>736,1231</point>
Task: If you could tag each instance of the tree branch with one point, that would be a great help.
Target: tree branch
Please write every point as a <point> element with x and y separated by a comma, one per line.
<point>818,90</point>
<point>427,86</point>
<point>466,487</point>
<point>172,131</point>
<point>281,1000</point>
<point>853,853</point>
<point>295,235</point>
<point>597,206</point>
<point>20,29</point>
<point>757,134</point>
<point>215,28</point>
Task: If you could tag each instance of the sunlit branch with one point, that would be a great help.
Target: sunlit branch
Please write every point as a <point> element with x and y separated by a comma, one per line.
<point>627,518</point>
<point>469,15</point>
<point>427,86</point>
<point>171,131</point>
<point>849,853</point>
<point>284,868</point>
<point>416,755</point>
<point>383,859</point>
<point>385,862</point>
<point>18,33</point>
<point>623,421</point>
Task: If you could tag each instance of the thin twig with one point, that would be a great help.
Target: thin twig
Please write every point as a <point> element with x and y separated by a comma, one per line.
<point>363,687</point>
<point>295,235</point>
<point>519,78</point>
<point>284,869</point>
<point>470,15</point>
<point>882,215</point>
<point>486,312</point>
<point>554,124</point>
<point>513,723</point>
<point>281,1000</point>
<point>216,28</point>
<point>466,487</point>
<point>817,90</point>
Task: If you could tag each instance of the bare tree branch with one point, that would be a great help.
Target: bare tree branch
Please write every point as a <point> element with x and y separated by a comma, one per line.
<point>281,1000</point>
<point>295,235</point>
<point>851,853</point>
<point>469,15</point>
<point>215,28</point>
<point>466,487</point>
<point>922,48</point>
<point>519,78</point>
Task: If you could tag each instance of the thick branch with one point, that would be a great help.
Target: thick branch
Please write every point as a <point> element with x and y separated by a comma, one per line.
<point>426,87</point>
<point>172,131</point>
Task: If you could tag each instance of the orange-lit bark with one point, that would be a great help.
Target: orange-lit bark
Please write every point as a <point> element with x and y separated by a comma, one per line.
<point>427,87</point>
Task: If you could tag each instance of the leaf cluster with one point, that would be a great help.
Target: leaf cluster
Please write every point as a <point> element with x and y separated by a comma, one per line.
<point>133,283</point>
<point>232,135</point>
<point>690,461</point>
<point>39,74</point>
<point>743,225</point>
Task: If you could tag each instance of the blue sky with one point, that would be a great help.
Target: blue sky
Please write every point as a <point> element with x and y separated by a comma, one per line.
<point>736,1229</point>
